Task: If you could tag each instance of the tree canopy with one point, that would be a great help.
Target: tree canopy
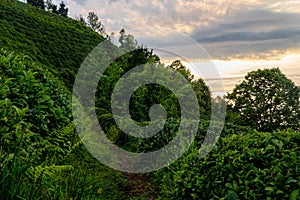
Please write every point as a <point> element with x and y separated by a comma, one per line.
<point>267,100</point>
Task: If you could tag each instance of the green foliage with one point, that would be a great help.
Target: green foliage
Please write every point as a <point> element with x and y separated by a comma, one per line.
<point>58,42</point>
<point>39,150</point>
<point>252,165</point>
<point>267,100</point>
<point>142,100</point>
<point>47,171</point>
<point>41,156</point>
<point>112,74</point>
<point>30,87</point>
<point>32,103</point>
<point>179,67</point>
<point>202,91</point>
<point>81,19</point>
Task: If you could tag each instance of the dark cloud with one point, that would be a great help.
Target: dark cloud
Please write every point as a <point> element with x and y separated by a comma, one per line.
<point>253,36</point>
<point>252,31</point>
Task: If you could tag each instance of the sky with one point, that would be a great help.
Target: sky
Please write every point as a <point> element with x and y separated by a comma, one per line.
<point>236,36</point>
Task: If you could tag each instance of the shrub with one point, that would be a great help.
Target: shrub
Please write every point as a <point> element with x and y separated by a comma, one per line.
<point>253,165</point>
<point>29,86</point>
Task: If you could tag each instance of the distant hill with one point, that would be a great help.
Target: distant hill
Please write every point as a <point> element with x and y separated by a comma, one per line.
<point>55,41</point>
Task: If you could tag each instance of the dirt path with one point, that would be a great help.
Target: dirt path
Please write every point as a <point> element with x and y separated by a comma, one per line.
<point>139,186</point>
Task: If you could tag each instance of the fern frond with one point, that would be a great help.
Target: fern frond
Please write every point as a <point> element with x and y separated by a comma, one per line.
<point>47,171</point>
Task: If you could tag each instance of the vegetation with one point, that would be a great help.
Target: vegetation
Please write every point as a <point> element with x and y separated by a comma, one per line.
<point>267,100</point>
<point>94,22</point>
<point>37,3</point>
<point>57,42</point>
<point>42,157</point>
<point>251,165</point>
<point>62,10</point>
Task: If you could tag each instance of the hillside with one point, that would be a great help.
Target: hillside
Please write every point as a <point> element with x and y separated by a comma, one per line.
<point>43,157</point>
<point>55,41</point>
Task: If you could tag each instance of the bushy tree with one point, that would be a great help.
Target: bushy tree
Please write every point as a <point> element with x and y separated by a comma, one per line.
<point>63,11</point>
<point>266,100</point>
<point>37,3</point>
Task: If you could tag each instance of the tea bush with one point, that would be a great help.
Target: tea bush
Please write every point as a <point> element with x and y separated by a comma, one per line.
<point>29,86</point>
<point>252,165</point>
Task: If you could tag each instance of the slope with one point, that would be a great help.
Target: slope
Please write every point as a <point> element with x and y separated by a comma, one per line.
<point>58,42</point>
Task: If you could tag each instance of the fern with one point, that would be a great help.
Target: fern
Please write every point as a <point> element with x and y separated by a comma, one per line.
<point>47,171</point>
<point>62,142</point>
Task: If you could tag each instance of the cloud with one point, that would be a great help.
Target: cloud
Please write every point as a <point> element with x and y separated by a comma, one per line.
<point>253,36</point>
<point>251,33</point>
<point>180,15</point>
<point>249,29</point>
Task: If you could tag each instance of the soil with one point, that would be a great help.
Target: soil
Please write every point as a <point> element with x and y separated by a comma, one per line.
<point>139,186</point>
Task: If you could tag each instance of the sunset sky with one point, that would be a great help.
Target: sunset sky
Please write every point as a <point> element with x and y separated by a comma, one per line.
<point>239,36</point>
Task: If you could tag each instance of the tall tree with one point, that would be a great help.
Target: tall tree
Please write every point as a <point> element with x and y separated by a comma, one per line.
<point>202,91</point>
<point>94,22</point>
<point>203,94</point>
<point>63,11</point>
<point>267,100</point>
<point>37,3</point>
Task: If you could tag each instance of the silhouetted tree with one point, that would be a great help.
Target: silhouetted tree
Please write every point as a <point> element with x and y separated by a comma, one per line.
<point>81,19</point>
<point>51,7</point>
<point>37,3</point>
<point>94,22</point>
<point>63,11</point>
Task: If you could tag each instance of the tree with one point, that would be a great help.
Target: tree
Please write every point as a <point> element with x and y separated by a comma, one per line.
<point>81,20</point>
<point>179,67</point>
<point>203,94</point>
<point>94,22</point>
<point>63,11</point>
<point>37,3</point>
<point>51,7</point>
<point>202,91</point>
<point>267,100</point>
<point>127,41</point>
